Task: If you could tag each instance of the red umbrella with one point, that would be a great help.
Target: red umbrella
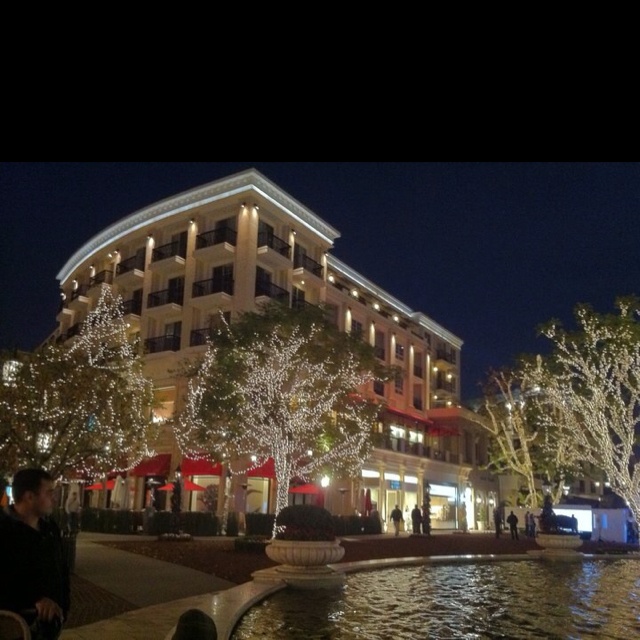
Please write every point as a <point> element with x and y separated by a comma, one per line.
<point>192,486</point>
<point>309,489</point>
<point>99,485</point>
<point>186,484</point>
<point>367,502</point>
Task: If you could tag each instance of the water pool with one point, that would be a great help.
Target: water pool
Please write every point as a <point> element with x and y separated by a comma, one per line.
<point>509,599</point>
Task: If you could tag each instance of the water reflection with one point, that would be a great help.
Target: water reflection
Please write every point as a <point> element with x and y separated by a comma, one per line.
<point>520,600</point>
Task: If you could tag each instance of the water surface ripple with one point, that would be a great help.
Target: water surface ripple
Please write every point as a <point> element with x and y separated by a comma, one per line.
<point>518,600</point>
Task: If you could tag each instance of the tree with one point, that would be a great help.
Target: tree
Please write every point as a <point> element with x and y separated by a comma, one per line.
<point>514,435</point>
<point>282,384</point>
<point>522,442</point>
<point>80,408</point>
<point>590,391</point>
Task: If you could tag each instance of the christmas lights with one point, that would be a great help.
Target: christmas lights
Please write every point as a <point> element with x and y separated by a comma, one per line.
<point>280,392</point>
<point>590,392</point>
<point>83,408</point>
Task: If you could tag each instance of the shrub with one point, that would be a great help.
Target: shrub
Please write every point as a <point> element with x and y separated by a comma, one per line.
<point>305,522</point>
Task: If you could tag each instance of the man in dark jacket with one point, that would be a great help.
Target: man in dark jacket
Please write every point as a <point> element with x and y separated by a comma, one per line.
<point>35,579</point>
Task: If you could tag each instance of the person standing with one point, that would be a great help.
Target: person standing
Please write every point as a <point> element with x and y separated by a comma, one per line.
<point>416,519</point>
<point>497,521</point>
<point>512,520</point>
<point>396,518</point>
<point>532,525</point>
<point>35,579</point>
<point>527,528</point>
<point>72,509</point>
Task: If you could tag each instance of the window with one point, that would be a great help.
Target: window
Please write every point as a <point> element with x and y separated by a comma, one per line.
<point>379,345</point>
<point>399,384</point>
<point>378,387</point>
<point>399,351</point>
<point>173,329</point>
<point>357,329</point>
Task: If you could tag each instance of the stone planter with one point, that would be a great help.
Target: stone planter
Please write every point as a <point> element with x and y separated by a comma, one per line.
<point>303,553</point>
<point>303,564</point>
<point>559,547</point>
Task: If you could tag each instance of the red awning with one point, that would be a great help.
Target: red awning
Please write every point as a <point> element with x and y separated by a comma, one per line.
<point>410,416</point>
<point>266,470</point>
<point>201,467</point>
<point>97,486</point>
<point>159,465</point>
<point>443,430</point>
<point>309,489</point>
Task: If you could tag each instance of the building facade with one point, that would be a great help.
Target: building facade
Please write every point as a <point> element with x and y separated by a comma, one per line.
<point>230,245</point>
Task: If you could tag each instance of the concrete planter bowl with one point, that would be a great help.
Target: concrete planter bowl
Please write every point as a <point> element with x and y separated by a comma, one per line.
<point>304,563</point>
<point>559,547</point>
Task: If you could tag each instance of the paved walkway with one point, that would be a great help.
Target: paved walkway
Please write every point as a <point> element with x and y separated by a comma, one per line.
<point>157,592</point>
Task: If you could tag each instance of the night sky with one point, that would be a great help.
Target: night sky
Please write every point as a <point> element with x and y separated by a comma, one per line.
<point>487,250</point>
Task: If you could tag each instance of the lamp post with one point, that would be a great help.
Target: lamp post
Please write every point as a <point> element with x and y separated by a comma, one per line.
<point>324,483</point>
<point>342,491</point>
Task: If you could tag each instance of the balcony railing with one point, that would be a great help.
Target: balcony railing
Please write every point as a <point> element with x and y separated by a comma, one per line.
<point>214,285</point>
<point>166,296</point>
<point>272,291</point>
<point>447,356</point>
<point>162,343</point>
<point>200,336</point>
<point>134,262</point>
<point>216,236</point>
<point>167,251</point>
<point>132,306</point>
<point>82,290</point>
<point>104,277</point>
<point>308,264</point>
<point>273,242</point>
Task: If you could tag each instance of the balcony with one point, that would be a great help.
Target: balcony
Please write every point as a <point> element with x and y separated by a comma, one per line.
<point>209,293</point>
<point>307,271</point>
<point>103,277</point>
<point>167,259</point>
<point>79,298</point>
<point>216,245</point>
<point>200,337</point>
<point>445,359</point>
<point>266,291</point>
<point>130,272</point>
<point>71,332</point>
<point>132,310</point>
<point>165,302</point>
<point>162,343</point>
<point>273,252</point>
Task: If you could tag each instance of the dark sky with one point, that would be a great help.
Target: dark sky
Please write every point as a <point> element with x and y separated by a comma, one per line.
<point>488,250</point>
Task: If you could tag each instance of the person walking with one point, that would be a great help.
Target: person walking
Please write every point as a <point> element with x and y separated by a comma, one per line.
<point>72,509</point>
<point>497,521</point>
<point>35,579</point>
<point>396,518</point>
<point>416,519</point>
<point>512,520</point>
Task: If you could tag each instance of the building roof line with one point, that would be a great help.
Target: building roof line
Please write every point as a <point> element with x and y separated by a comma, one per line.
<point>417,316</point>
<point>239,183</point>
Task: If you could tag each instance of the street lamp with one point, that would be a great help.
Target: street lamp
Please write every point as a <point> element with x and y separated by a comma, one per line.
<point>342,491</point>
